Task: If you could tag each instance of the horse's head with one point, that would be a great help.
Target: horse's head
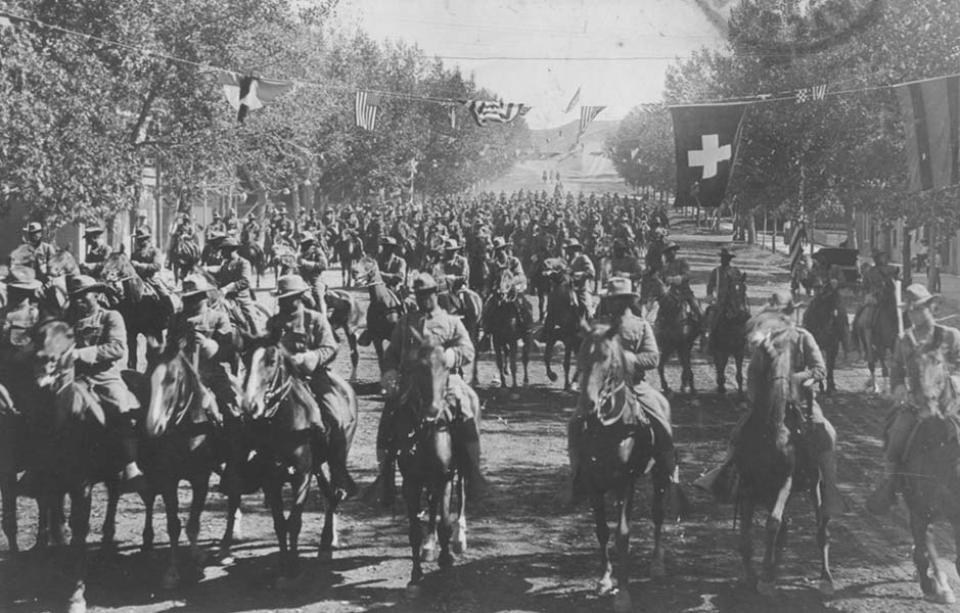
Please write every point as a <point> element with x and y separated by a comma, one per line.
<point>935,382</point>
<point>365,271</point>
<point>269,380</point>
<point>425,375</point>
<point>770,383</point>
<point>62,263</point>
<point>174,390</point>
<point>604,374</point>
<point>52,353</point>
<point>118,272</point>
<point>505,284</point>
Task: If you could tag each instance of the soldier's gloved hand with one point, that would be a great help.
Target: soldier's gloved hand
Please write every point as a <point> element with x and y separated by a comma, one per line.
<point>85,355</point>
<point>449,358</point>
<point>389,381</point>
<point>208,347</point>
<point>900,395</point>
<point>306,362</point>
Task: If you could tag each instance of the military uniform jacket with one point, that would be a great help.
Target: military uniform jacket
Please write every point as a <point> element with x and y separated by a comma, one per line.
<point>393,270</point>
<point>208,323</point>
<point>583,264</point>
<point>95,259</point>
<point>37,258</point>
<point>877,277</point>
<point>677,268</point>
<point>637,337</point>
<point>146,261</point>
<point>721,280</point>
<point>234,279</point>
<point>312,264</point>
<point>457,266</point>
<point>101,346</point>
<point>943,344</point>
<point>441,327</point>
<point>302,331</point>
<point>511,263</point>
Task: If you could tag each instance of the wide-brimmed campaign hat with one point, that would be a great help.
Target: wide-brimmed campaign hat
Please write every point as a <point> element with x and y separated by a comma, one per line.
<point>308,240</point>
<point>500,243</point>
<point>782,302</point>
<point>424,283</point>
<point>291,285</point>
<point>450,244</point>
<point>619,286</point>
<point>573,244</point>
<point>33,227</point>
<point>142,233</point>
<point>388,241</point>
<point>727,254</point>
<point>229,243</point>
<point>917,295</point>
<point>94,231</point>
<point>195,285</point>
<point>670,246</point>
<point>81,284</point>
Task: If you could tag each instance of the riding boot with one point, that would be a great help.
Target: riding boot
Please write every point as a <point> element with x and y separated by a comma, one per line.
<point>469,444</point>
<point>384,488</point>
<point>885,495</point>
<point>340,480</point>
<point>832,500</point>
<point>132,479</point>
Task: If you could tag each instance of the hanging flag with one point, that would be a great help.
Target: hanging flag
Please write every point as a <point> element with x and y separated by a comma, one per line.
<point>706,139</point>
<point>573,101</point>
<point>931,118</point>
<point>588,114</point>
<point>367,104</point>
<point>815,93</point>
<point>485,111</point>
<point>246,93</point>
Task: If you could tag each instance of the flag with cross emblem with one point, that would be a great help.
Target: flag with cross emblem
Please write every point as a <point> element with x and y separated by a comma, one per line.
<point>706,139</point>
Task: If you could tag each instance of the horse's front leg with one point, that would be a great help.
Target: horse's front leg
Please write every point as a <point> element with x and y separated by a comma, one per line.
<point>273,496</point>
<point>445,529</point>
<point>686,377</point>
<point>301,487</point>
<point>720,359</point>
<point>171,507</point>
<point>79,528</point>
<point>498,352</point>
<point>328,536</point>
<point>108,544</point>
<point>354,352</point>
<point>664,356</point>
<point>825,586</point>
<point>831,360</point>
<point>512,351</point>
<point>933,580</point>
<point>460,527</point>
<point>739,362</point>
<point>548,353</point>
<point>8,494</point>
<point>411,495</point>
<point>775,523</point>
<point>525,358</point>
<point>605,584</point>
<point>378,348</point>
<point>746,542</point>
<point>132,348</point>
<point>200,485</point>
<point>658,511</point>
<point>567,353</point>
<point>621,601</point>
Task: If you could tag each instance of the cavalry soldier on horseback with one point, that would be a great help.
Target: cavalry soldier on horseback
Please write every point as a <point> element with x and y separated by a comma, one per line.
<point>234,280</point>
<point>100,353</point>
<point>211,256</point>
<point>311,264</point>
<point>393,268</point>
<point>139,227</point>
<point>250,233</point>
<point>913,403</point>
<point>203,334</point>
<point>721,282</point>
<point>446,330</point>
<point>39,252</point>
<point>676,274</point>
<point>97,252</point>
<point>504,261</point>
<point>146,261</point>
<point>306,335</point>
<point>654,257</point>
<point>876,280</point>
<point>582,271</point>
<point>809,369</point>
<point>217,225</point>
<point>453,272</point>
<point>639,343</point>
<point>21,313</point>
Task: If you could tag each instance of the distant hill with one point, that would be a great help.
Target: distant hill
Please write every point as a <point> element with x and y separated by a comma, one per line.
<point>561,140</point>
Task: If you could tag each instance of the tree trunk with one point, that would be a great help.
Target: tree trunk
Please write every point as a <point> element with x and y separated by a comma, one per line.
<point>851,219</point>
<point>751,222</point>
<point>906,269</point>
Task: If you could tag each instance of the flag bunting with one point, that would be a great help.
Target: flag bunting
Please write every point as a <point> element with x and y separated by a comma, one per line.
<point>247,93</point>
<point>487,111</point>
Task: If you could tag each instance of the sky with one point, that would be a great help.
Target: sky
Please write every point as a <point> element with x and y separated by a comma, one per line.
<point>651,33</point>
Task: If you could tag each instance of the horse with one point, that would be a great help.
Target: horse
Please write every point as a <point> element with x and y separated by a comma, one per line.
<point>774,455</point>
<point>283,259</point>
<point>385,306</point>
<point>613,454</point>
<point>428,456</point>
<point>74,452</point>
<point>181,425</point>
<point>142,308</point>
<point>480,270</point>
<point>541,279</point>
<point>875,331</point>
<point>931,485</point>
<point>676,331</point>
<point>253,253</point>
<point>826,319</point>
<point>506,329</point>
<point>564,322</point>
<point>343,313</point>
<point>183,254</point>
<point>728,336</point>
<point>275,402</point>
<point>349,248</point>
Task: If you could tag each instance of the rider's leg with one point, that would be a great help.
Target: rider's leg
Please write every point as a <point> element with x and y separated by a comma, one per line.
<point>897,434</point>
<point>386,452</point>
<point>467,434</point>
<point>114,401</point>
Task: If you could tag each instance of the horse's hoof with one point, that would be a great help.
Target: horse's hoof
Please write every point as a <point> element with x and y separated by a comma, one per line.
<point>413,591</point>
<point>171,579</point>
<point>766,588</point>
<point>658,569</point>
<point>325,554</point>
<point>721,389</point>
<point>445,560</point>
<point>622,602</point>
<point>458,546</point>
<point>78,604</point>
<point>945,596</point>
<point>429,555</point>
<point>826,587</point>
<point>552,376</point>
<point>605,586</point>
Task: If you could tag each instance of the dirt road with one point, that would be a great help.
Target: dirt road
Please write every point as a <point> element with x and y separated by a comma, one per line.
<point>528,551</point>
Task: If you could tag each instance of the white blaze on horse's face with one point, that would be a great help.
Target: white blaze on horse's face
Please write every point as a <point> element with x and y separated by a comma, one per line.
<point>157,414</point>
<point>933,380</point>
<point>253,394</point>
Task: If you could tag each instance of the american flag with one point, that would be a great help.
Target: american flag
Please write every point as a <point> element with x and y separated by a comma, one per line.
<point>588,114</point>
<point>796,245</point>
<point>485,111</point>
<point>366,109</point>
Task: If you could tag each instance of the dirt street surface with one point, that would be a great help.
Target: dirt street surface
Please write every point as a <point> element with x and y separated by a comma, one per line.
<point>528,551</point>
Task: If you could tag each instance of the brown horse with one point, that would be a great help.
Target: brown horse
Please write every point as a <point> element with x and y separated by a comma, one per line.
<point>564,322</point>
<point>728,338</point>
<point>774,455</point>
<point>826,319</point>
<point>541,278</point>
<point>429,457</point>
<point>875,331</point>
<point>385,306</point>
<point>676,332</point>
<point>349,249</point>
<point>613,454</point>
<point>181,425</point>
<point>183,255</point>
<point>276,401</point>
<point>931,485</point>
<point>506,328</point>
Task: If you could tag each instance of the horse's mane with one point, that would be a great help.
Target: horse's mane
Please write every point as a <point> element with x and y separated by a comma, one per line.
<point>769,385</point>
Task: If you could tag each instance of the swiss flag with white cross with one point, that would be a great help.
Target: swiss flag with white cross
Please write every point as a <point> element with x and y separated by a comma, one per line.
<point>706,148</point>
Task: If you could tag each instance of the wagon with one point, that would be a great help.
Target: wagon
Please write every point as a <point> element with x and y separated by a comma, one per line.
<point>845,260</point>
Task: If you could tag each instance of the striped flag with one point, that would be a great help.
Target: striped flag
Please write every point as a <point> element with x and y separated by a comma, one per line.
<point>367,104</point>
<point>796,245</point>
<point>931,118</point>
<point>246,93</point>
<point>588,114</point>
<point>573,101</point>
<point>487,111</point>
